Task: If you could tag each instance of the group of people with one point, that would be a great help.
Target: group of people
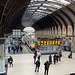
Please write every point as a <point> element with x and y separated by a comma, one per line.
<point>56,58</point>
<point>37,63</point>
<point>15,49</point>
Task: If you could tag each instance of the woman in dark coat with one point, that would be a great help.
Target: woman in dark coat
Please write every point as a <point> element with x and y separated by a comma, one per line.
<point>46,67</point>
<point>37,65</point>
<point>10,61</point>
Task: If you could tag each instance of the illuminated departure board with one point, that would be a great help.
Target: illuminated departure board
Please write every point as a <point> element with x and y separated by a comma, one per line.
<point>47,42</point>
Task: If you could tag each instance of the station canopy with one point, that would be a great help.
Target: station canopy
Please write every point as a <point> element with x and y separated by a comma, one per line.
<point>38,9</point>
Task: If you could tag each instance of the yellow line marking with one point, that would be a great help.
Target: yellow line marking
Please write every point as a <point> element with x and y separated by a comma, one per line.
<point>25,49</point>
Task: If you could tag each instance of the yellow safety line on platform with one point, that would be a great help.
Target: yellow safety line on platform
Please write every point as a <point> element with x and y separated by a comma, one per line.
<point>25,49</point>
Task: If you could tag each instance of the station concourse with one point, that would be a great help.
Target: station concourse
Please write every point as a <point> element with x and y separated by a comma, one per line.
<point>24,64</point>
<point>38,28</point>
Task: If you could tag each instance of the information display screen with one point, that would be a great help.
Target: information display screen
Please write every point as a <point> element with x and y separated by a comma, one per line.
<point>66,48</point>
<point>16,33</point>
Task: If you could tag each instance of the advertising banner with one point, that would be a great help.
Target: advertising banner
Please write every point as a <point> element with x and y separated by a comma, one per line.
<point>64,30</point>
<point>69,30</point>
<point>59,30</point>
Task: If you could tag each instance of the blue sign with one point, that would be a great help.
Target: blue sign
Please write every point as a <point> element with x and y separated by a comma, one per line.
<point>6,47</point>
<point>69,30</point>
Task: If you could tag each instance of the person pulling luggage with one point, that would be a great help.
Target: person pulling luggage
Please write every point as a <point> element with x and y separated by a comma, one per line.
<point>10,61</point>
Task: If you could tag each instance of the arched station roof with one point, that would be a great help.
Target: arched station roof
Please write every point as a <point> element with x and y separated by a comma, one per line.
<point>8,10</point>
<point>39,14</point>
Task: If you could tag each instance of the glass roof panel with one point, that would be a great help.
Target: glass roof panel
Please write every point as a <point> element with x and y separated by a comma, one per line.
<point>42,8</point>
<point>44,11</point>
<point>60,1</point>
<point>37,4</point>
<point>57,6</point>
<point>53,5</point>
<point>51,9</point>
<point>40,12</point>
<point>31,10</point>
<point>47,4</point>
<point>33,7</point>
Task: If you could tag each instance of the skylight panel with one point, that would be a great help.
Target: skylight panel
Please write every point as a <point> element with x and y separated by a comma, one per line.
<point>31,10</point>
<point>40,13</point>
<point>51,9</point>
<point>33,7</point>
<point>57,6</point>
<point>42,8</point>
<point>64,2</point>
<point>60,1</point>
<point>37,4</point>
<point>47,4</point>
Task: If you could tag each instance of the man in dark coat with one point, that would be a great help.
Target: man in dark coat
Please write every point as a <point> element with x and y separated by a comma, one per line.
<point>57,58</point>
<point>37,65</point>
<point>21,49</point>
<point>9,49</point>
<point>13,49</point>
<point>17,49</point>
<point>46,67</point>
<point>50,59</point>
<point>54,58</point>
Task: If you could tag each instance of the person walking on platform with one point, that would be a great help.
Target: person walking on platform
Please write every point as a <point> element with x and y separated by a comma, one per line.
<point>35,52</point>
<point>54,58</point>
<point>10,61</point>
<point>9,49</point>
<point>39,57</point>
<point>50,59</point>
<point>46,67</point>
<point>16,47</point>
<point>34,58</point>
<point>57,58</point>
<point>37,65</point>
<point>60,55</point>
<point>14,50</point>
<point>21,49</point>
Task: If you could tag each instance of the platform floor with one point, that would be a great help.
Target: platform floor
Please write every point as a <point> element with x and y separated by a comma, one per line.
<point>23,65</point>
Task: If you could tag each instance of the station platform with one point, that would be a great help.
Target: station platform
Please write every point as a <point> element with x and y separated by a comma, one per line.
<point>24,65</point>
